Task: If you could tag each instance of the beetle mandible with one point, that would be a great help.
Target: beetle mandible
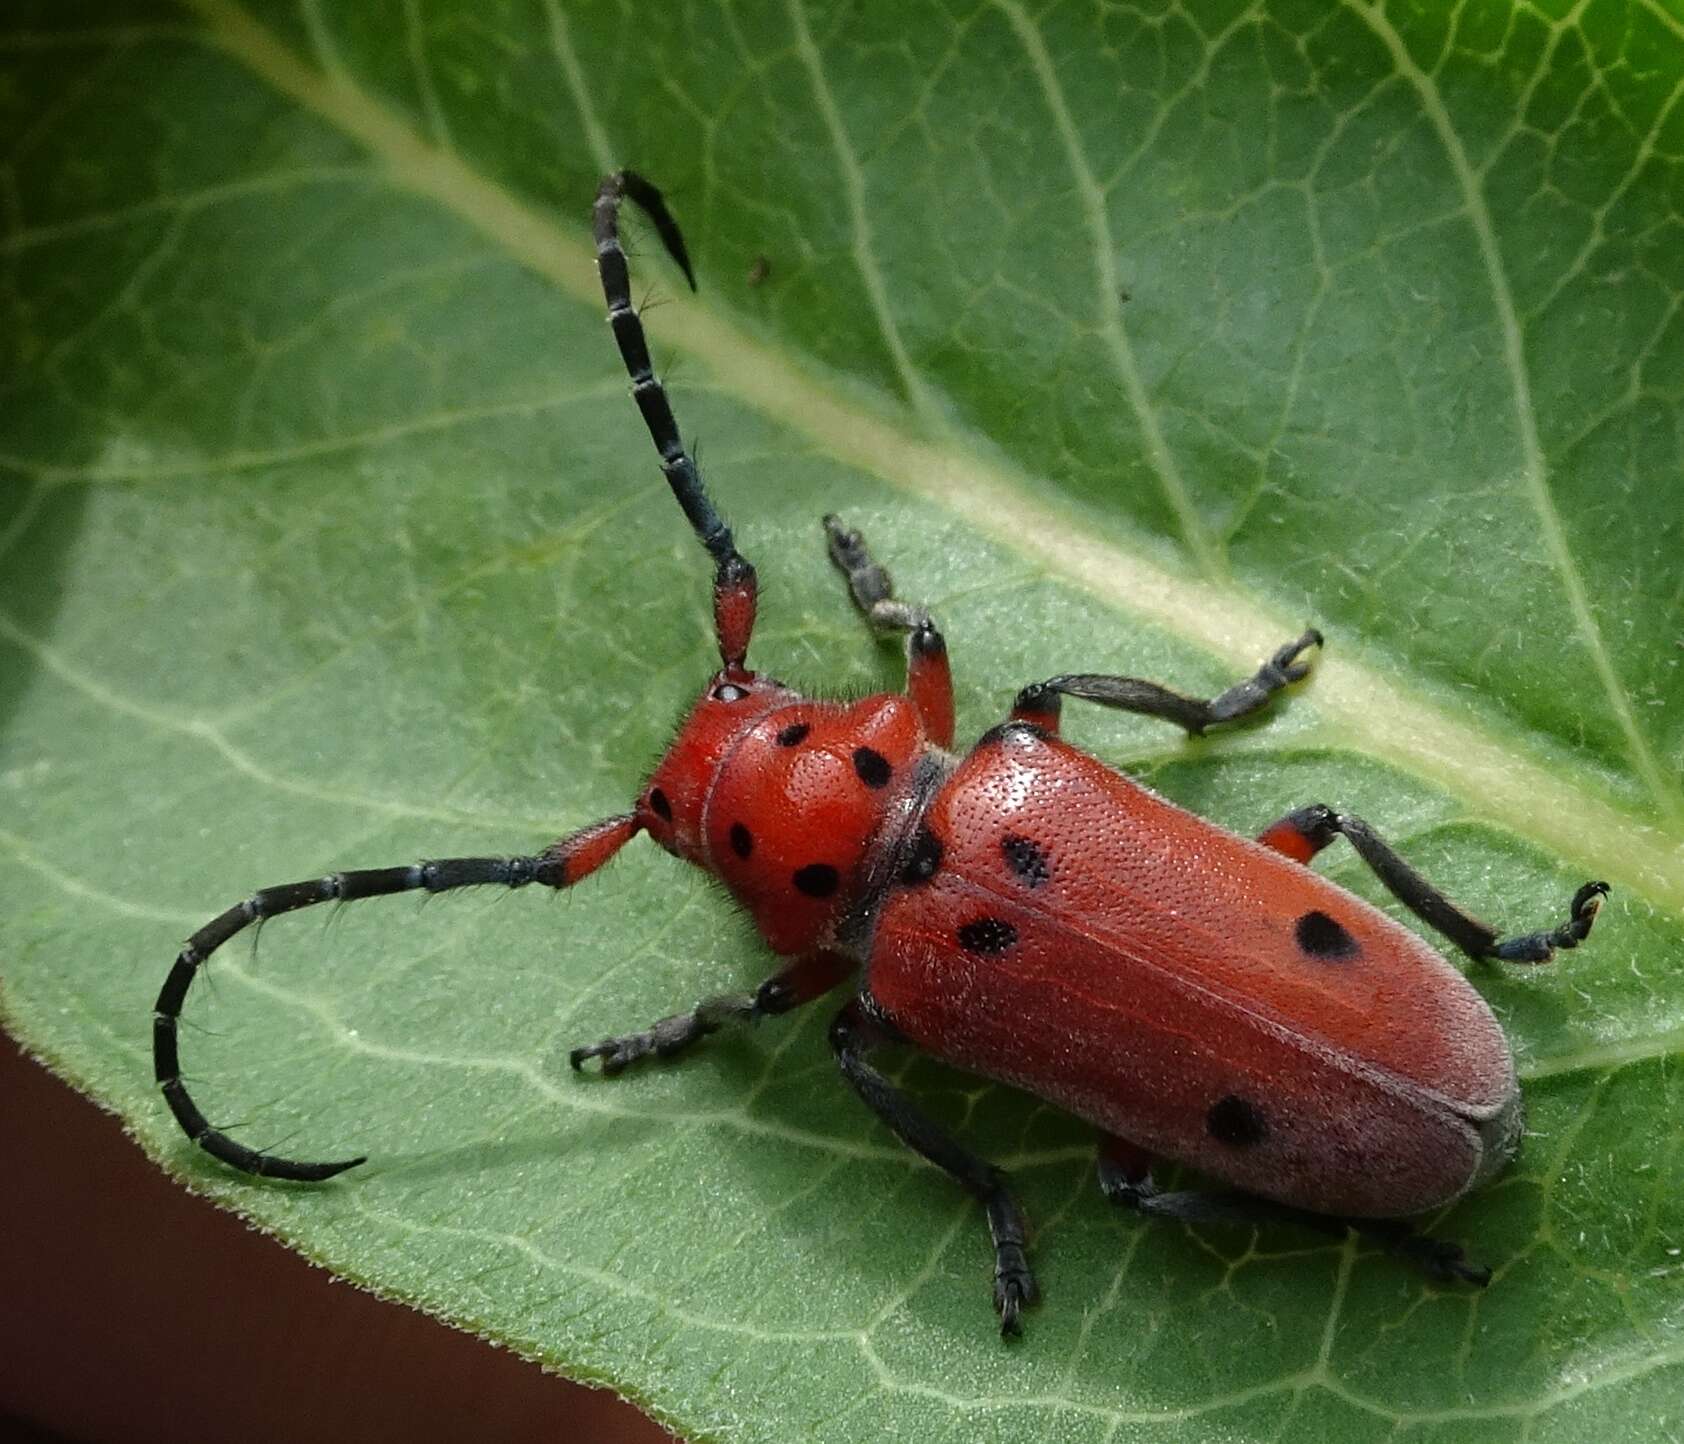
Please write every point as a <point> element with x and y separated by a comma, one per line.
<point>1029,914</point>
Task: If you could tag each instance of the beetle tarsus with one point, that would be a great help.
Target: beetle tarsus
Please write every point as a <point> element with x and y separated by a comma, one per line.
<point>666,1038</point>
<point>1192,714</point>
<point>796,984</point>
<point>1014,1281</point>
<point>1014,1289</point>
<point>1441,1260</point>
<point>869,583</point>
<point>663,1040</point>
<point>1540,947</point>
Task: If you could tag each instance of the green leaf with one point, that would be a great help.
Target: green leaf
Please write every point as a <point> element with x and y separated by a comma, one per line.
<point>1135,336</point>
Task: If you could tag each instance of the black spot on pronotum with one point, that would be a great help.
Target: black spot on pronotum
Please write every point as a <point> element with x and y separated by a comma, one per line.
<point>1323,937</point>
<point>924,859</point>
<point>793,734</point>
<point>659,805</point>
<point>1025,859</point>
<point>873,767</point>
<point>987,935</point>
<point>742,840</point>
<point>1233,1121</point>
<point>817,879</point>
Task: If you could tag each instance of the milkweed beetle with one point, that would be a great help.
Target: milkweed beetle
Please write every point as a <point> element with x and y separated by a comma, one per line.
<point>1194,995</point>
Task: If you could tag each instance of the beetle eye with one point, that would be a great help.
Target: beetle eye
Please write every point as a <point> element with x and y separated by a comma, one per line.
<point>728,692</point>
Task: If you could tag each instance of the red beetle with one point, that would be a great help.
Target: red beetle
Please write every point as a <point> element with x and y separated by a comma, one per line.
<point>1027,913</point>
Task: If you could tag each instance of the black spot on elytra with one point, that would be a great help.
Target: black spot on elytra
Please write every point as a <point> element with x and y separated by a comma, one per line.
<point>659,804</point>
<point>1233,1121</point>
<point>793,734</point>
<point>817,879</point>
<point>987,935</point>
<point>924,859</point>
<point>742,840</point>
<point>1025,859</point>
<point>1323,937</point>
<point>873,767</point>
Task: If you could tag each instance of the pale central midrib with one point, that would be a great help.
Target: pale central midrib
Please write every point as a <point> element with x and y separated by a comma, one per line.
<point>1369,712</point>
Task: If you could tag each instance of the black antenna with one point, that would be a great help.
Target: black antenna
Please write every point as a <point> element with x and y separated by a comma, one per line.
<point>734,584</point>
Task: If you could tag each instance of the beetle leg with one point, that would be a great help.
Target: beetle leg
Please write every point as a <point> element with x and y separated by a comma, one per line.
<point>929,681</point>
<point>1437,1258</point>
<point>852,1035</point>
<point>1304,833</point>
<point>801,982</point>
<point>1132,694</point>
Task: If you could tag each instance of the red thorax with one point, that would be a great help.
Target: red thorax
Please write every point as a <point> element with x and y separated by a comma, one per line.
<point>784,799</point>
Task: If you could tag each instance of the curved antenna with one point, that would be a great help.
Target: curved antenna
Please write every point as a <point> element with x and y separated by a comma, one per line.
<point>560,865</point>
<point>735,589</point>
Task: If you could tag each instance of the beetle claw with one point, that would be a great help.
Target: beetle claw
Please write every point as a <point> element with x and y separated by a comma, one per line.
<point>1444,1262</point>
<point>1286,662</point>
<point>616,1054</point>
<point>1014,1290</point>
<point>1587,901</point>
<point>1542,946</point>
<point>1010,1296</point>
<point>1476,1274</point>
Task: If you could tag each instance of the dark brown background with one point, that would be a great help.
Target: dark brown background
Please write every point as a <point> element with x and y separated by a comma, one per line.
<point>132,1311</point>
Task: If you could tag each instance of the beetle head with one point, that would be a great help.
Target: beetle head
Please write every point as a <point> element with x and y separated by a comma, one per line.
<point>670,806</point>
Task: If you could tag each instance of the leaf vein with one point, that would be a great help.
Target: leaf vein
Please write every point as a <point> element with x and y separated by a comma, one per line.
<point>1206,553</point>
<point>1534,470</point>
<point>865,259</point>
<point>596,134</point>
